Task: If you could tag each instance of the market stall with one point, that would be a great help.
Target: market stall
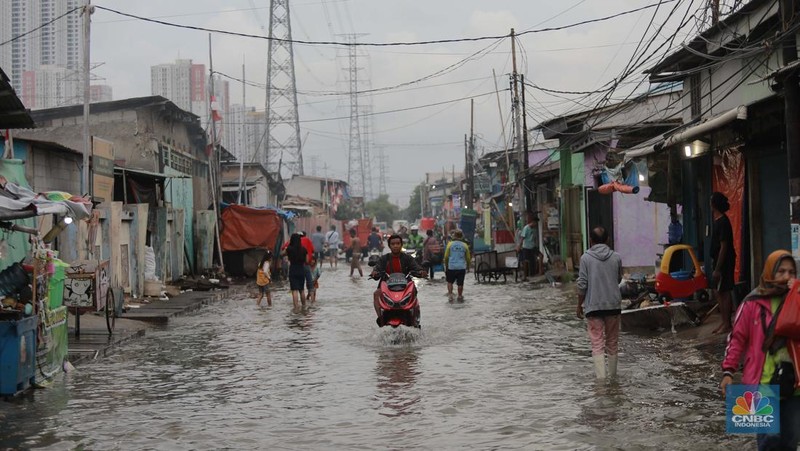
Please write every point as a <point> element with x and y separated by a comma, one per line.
<point>33,321</point>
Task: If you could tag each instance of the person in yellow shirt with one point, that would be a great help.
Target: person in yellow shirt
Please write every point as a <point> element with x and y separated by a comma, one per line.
<point>263,279</point>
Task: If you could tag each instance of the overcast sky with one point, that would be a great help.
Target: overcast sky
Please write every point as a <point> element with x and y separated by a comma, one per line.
<point>419,140</point>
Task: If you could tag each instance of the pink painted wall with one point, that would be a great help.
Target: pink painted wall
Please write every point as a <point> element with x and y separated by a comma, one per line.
<point>639,228</point>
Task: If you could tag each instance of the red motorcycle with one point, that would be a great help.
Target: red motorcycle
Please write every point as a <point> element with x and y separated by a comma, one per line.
<point>398,300</point>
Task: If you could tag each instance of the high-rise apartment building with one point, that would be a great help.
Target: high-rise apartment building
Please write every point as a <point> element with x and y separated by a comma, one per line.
<point>100,93</point>
<point>45,66</point>
<point>183,83</point>
<point>57,44</point>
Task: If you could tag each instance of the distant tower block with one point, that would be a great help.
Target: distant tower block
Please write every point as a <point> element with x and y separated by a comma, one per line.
<point>283,151</point>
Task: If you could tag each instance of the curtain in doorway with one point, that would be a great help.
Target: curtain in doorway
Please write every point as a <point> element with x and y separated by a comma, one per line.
<point>728,178</point>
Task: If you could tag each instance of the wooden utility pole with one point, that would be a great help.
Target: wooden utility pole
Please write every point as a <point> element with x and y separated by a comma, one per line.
<point>213,159</point>
<point>87,138</point>
<point>525,185</point>
<point>714,12</point>
<point>517,114</point>
<point>241,195</point>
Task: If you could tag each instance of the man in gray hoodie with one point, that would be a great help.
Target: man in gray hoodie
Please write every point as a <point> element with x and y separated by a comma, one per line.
<point>600,300</point>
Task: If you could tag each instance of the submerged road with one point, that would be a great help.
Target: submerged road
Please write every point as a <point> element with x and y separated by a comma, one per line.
<point>508,369</point>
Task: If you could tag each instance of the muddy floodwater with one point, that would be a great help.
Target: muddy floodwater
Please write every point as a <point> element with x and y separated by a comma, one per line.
<point>508,369</point>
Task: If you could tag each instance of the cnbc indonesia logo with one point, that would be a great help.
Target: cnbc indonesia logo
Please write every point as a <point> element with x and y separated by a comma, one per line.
<point>752,410</point>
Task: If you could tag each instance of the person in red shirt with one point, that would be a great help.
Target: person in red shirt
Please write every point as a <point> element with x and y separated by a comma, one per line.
<point>308,245</point>
<point>395,261</point>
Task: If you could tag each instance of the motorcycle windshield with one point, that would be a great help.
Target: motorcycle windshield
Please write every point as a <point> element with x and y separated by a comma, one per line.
<point>396,281</point>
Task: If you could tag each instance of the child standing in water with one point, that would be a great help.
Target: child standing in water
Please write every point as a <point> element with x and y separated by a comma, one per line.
<point>315,275</point>
<point>263,279</point>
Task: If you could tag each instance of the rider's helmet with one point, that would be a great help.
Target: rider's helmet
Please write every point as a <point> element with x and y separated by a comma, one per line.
<point>414,228</point>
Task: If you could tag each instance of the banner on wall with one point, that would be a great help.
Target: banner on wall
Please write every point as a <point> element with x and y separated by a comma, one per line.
<point>102,169</point>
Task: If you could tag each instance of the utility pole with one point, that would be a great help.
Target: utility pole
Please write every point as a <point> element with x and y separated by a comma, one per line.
<point>88,9</point>
<point>241,155</point>
<point>714,12</point>
<point>422,195</point>
<point>470,157</point>
<point>516,107</point>
<point>355,161</point>
<point>213,159</point>
<point>525,185</point>
<point>791,95</point>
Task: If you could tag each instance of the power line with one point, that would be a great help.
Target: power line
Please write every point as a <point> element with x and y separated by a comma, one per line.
<point>384,44</point>
<point>40,26</point>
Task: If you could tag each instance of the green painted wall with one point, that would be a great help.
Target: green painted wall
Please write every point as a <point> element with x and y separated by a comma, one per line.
<point>179,192</point>
<point>16,243</point>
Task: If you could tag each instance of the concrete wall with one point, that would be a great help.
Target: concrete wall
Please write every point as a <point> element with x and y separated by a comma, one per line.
<point>639,228</point>
<point>300,186</point>
<point>140,137</point>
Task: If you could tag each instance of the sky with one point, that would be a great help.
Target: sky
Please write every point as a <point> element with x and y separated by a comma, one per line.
<point>429,135</point>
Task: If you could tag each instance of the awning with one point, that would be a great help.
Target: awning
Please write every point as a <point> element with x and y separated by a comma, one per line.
<point>235,188</point>
<point>249,181</point>
<point>155,175</point>
<point>687,134</point>
<point>703,128</point>
<point>13,113</point>
<point>643,149</point>
<point>307,208</point>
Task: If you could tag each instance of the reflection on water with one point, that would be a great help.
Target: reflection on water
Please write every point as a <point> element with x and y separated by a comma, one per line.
<point>396,373</point>
<point>508,369</point>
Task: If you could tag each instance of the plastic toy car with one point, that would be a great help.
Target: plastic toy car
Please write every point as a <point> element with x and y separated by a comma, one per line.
<point>683,284</point>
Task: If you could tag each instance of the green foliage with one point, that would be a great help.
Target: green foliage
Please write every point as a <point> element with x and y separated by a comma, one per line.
<point>381,209</point>
<point>412,213</point>
<point>347,210</point>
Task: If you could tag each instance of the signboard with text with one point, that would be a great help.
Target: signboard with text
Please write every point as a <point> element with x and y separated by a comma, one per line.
<point>102,169</point>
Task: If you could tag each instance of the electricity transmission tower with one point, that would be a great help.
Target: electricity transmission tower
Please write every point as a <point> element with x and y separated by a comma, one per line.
<point>382,164</point>
<point>355,161</point>
<point>283,144</point>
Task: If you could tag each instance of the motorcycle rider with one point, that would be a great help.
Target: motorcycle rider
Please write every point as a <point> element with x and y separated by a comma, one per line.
<point>374,241</point>
<point>395,261</point>
<point>414,239</point>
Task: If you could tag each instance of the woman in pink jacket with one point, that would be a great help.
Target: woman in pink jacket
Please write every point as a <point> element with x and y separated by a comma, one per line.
<point>747,340</point>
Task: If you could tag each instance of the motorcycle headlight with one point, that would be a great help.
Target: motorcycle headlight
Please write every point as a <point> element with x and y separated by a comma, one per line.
<point>405,300</point>
<point>388,300</point>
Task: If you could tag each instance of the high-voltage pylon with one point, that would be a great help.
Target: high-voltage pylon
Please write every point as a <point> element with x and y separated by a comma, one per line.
<point>356,176</point>
<point>382,164</point>
<point>283,145</point>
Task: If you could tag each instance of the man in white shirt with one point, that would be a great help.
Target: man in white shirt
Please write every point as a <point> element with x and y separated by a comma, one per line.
<point>332,240</point>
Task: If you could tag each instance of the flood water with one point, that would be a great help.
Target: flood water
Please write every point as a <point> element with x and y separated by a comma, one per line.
<point>508,369</point>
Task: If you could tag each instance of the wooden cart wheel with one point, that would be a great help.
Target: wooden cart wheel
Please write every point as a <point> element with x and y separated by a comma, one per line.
<point>481,270</point>
<point>111,313</point>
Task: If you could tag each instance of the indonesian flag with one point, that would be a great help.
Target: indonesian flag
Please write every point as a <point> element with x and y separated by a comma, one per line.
<point>215,116</point>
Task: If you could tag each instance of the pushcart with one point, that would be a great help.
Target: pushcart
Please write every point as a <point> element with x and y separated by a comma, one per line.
<point>87,288</point>
<point>491,266</point>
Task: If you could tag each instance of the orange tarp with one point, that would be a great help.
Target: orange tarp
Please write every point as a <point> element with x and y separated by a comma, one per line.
<point>248,228</point>
<point>363,230</point>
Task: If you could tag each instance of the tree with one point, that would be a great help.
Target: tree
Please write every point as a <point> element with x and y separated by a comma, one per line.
<point>414,208</point>
<point>382,209</point>
<point>347,210</point>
